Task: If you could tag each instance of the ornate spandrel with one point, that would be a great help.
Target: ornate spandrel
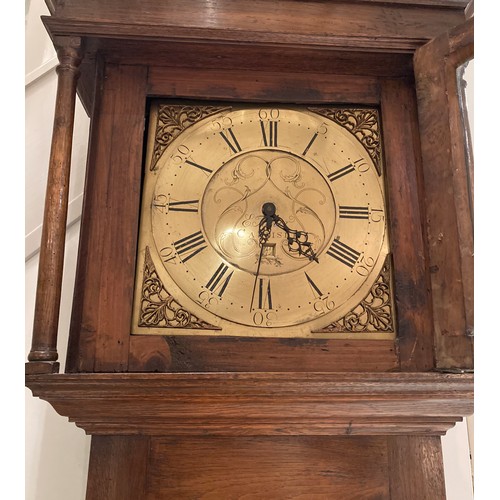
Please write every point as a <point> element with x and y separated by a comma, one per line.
<point>363,124</point>
<point>375,313</point>
<point>158,307</point>
<point>172,120</point>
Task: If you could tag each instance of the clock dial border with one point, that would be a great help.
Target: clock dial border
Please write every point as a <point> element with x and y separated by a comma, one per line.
<point>310,329</point>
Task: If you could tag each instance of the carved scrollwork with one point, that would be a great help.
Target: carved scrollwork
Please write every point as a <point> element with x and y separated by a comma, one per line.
<point>363,124</point>
<point>172,120</point>
<point>374,313</point>
<point>158,308</point>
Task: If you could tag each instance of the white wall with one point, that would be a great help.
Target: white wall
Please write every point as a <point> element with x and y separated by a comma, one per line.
<point>57,451</point>
<point>40,93</point>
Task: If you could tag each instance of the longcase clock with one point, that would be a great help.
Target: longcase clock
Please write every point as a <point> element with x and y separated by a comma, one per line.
<point>265,254</point>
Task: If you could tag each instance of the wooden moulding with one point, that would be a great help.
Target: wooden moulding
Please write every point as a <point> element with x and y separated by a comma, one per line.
<point>300,36</point>
<point>268,404</point>
<point>379,26</point>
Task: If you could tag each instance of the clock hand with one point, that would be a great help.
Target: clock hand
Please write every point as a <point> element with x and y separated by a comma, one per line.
<point>297,240</point>
<point>264,233</point>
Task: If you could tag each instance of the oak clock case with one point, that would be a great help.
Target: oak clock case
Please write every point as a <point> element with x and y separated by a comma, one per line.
<point>264,221</point>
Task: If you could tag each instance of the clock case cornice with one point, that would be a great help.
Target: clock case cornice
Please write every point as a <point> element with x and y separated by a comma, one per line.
<point>372,36</point>
<point>379,53</point>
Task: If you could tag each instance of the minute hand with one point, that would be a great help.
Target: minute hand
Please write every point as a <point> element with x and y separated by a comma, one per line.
<point>264,234</point>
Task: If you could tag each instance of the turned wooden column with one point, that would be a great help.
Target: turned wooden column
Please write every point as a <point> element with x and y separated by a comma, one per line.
<point>50,270</point>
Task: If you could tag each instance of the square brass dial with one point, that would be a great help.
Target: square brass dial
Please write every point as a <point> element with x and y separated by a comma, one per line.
<point>265,221</point>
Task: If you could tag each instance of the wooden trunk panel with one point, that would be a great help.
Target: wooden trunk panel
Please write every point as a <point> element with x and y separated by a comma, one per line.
<point>283,467</point>
<point>118,467</point>
<point>416,468</point>
<point>277,468</point>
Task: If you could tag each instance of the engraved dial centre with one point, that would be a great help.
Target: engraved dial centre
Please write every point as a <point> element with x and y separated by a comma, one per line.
<point>261,182</point>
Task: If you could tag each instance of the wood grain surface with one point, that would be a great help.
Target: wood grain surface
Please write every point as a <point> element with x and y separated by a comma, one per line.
<point>264,468</point>
<point>344,24</point>
<point>241,57</point>
<point>259,403</point>
<point>264,87</point>
<point>100,329</point>
<point>416,468</point>
<point>448,178</point>
<point>50,269</point>
<point>407,237</point>
<point>280,467</point>
<point>118,468</point>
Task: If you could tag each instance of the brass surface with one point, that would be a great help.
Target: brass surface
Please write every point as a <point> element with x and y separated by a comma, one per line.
<point>208,173</point>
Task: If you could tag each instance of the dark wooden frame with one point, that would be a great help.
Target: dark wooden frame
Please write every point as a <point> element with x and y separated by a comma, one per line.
<point>100,333</point>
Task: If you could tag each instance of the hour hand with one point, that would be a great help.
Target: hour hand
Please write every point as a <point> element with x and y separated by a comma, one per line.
<point>298,243</point>
<point>297,240</point>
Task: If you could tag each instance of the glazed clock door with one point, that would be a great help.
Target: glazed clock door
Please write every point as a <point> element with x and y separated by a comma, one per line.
<point>258,221</point>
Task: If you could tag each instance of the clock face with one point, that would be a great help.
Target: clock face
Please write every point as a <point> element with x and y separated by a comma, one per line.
<point>302,264</point>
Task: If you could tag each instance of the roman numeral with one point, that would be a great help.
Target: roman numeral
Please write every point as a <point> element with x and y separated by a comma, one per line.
<point>183,206</point>
<point>310,144</point>
<point>265,298</point>
<point>346,212</point>
<point>216,284</point>
<point>343,253</point>
<point>314,287</point>
<point>201,167</point>
<point>189,246</point>
<point>270,136</point>
<point>231,140</point>
<point>341,172</point>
